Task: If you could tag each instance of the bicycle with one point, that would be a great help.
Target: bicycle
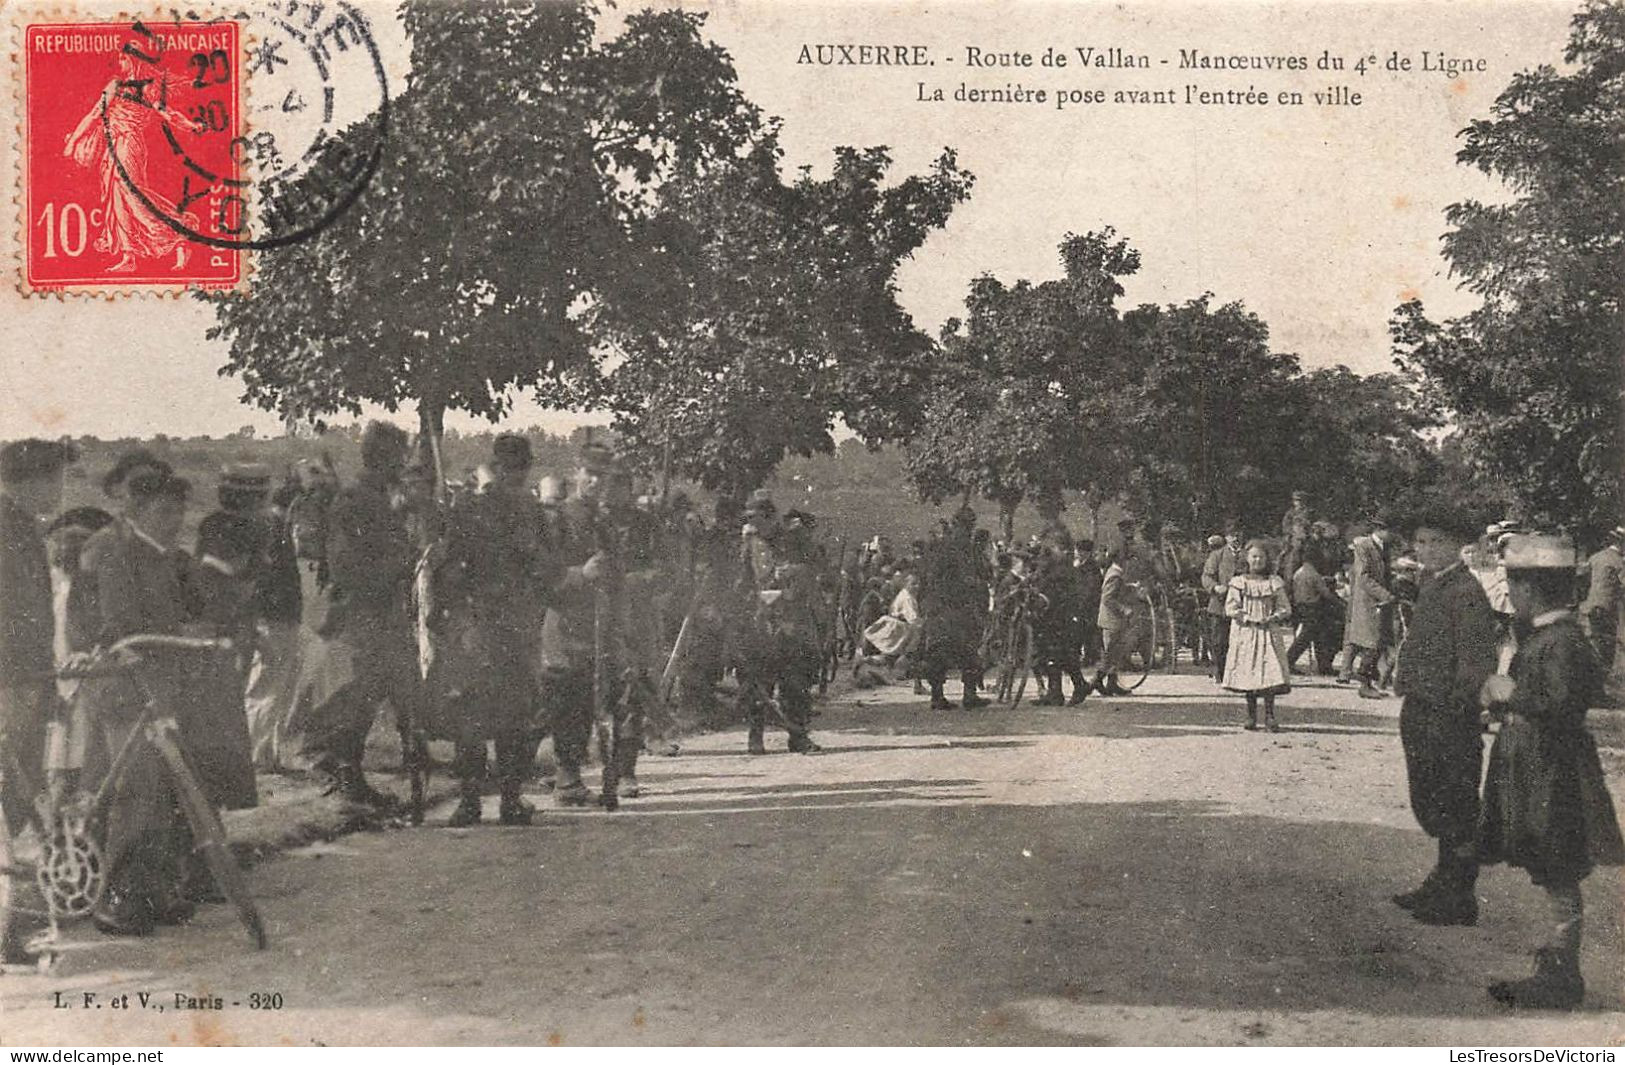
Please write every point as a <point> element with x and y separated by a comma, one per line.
<point>1008,640</point>
<point>70,872</point>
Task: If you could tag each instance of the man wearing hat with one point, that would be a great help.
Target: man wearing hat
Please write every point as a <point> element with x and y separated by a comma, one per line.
<point>1368,595</point>
<point>1600,610</point>
<point>1222,563</point>
<point>1090,578</point>
<point>1295,528</point>
<point>30,489</point>
<point>272,569</point>
<point>595,639</point>
<point>489,585</point>
<point>1546,805</point>
<point>1449,652</point>
<point>370,562</point>
<point>780,651</point>
<point>953,604</point>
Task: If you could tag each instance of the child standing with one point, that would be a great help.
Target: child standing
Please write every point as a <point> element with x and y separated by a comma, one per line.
<point>1257,605</point>
<point>1546,806</point>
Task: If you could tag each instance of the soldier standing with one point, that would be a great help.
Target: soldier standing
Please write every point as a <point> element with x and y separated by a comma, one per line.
<point>370,563</point>
<point>594,644</point>
<point>1222,564</point>
<point>1058,632</point>
<point>782,652</point>
<point>489,587</point>
<point>953,600</point>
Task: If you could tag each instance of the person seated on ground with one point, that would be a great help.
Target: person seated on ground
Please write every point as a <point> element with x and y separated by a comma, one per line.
<point>890,637</point>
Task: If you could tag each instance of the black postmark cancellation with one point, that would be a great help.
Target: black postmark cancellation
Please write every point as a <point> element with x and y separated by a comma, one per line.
<point>304,108</point>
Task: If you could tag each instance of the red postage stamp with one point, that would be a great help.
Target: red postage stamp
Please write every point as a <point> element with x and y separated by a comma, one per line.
<point>131,159</point>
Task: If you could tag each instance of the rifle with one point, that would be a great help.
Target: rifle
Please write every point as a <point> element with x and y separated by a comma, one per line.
<point>414,743</point>
<point>604,618</point>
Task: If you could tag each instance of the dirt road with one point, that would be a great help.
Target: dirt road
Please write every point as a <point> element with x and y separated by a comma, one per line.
<point>1133,871</point>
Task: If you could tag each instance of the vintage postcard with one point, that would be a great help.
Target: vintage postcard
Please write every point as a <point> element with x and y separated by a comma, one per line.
<point>828,522</point>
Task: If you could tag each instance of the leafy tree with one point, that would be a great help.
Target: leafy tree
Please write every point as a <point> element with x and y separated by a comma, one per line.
<point>503,215</point>
<point>769,310</point>
<point>1532,377</point>
<point>1023,389</point>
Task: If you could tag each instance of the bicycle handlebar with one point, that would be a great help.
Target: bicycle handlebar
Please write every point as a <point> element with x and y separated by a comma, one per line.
<point>137,643</point>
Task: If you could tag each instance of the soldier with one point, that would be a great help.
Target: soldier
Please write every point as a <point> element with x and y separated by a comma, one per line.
<point>1296,524</point>
<point>489,585</point>
<point>594,643</point>
<point>30,489</point>
<point>781,651</point>
<point>371,656</point>
<point>953,598</point>
<point>272,571</point>
<point>1058,631</point>
<point>1120,621</point>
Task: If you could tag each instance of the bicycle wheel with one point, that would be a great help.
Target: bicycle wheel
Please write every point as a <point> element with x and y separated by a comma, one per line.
<point>1024,655</point>
<point>208,834</point>
<point>1130,679</point>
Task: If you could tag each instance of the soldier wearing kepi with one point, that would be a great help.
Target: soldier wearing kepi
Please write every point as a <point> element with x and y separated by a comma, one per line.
<point>490,584</point>
<point>592,632</point>
<point>953,601</point>
<point>370,560</point>
<point>781,651</point>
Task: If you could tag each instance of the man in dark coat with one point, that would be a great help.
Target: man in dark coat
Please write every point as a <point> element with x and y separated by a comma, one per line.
<point>1089,581</point>
<point>780,652</point>
<point>1449,653</point>
<point>953,605</point>
<point>595,636</point>
<point>371,654</point>
<point>30,489</point>
<point>1546,804</point>
<point>489,587</point>
<point>1058,630</point>
<point>1221,565</point>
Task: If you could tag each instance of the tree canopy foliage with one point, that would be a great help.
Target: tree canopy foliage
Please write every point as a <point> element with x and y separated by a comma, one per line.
<point>1532,377</point>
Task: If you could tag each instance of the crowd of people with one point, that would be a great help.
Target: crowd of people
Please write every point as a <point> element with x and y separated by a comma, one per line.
<point>510,612</point>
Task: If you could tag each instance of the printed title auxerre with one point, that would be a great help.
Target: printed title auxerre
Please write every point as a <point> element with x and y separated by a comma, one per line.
<point>1110,58</point>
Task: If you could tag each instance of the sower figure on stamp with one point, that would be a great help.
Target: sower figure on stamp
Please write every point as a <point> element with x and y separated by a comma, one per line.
<point>1450,651</point>
<point>1546,804</point>
<point>368,654</point>
<point>953,600</point>
<point>781,652</point>
<point>489,587</point>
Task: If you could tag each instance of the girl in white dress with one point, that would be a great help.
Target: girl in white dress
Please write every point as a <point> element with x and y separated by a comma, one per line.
<point>1257,605</point>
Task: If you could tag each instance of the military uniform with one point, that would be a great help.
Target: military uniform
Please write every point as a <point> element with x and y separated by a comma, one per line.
<point>368,652</point>
<point>26,658</point>
<point>1221,565</point>
<point>605,616</point>
<point>953,600</point>
<point>782,652</point>
<point>489,587</point>
<point>1058,632</point>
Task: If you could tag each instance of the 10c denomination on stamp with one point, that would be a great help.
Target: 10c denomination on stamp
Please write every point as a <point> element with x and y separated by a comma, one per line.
<point>132,150</point>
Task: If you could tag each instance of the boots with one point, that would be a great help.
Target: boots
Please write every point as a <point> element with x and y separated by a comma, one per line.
<point>1052,690</point>
<point>1252,717</point>
<point>1080,688</point>
<point>570,791</point>
<point>755,743</point>
<point>1452,900</point>
<point>350,784</point>
<point>1410,900</point>
<point>1555,985</point>
<point>468,810</point>
<point>939,701</point>
<point>801,743</point>
<point>1269,719</point>
<point>514,810</point>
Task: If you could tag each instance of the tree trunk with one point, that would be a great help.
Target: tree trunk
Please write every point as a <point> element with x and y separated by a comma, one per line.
<point>1007,516</point>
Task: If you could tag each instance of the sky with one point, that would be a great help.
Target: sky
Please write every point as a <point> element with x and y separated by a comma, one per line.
<point>1320,218</point>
